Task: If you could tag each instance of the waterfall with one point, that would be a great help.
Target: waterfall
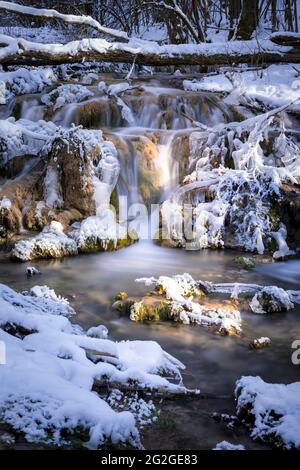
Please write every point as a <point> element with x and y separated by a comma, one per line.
<point>143,123</point>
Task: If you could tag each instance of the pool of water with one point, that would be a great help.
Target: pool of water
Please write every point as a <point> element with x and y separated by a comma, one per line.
<point>213,363</point>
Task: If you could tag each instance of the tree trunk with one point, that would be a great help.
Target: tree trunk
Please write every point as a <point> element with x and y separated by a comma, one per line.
<point>234,13</point>
<point>274,15</point>
<point>248,20</point>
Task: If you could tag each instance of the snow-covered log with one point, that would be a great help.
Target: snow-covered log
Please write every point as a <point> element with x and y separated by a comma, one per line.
<point>44,14</point>
<point>20,51</point>
<point>286,39</point>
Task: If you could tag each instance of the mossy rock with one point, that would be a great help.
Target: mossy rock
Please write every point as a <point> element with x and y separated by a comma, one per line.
<point>94,244</point>
<point>150,312</point>
<point>245,262</point>
<point>120,296</point>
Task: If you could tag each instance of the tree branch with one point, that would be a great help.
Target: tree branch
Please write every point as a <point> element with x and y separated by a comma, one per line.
<point>70,19</point>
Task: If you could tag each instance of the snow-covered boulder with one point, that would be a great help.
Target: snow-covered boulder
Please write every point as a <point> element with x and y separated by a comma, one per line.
<point>52,242</point>
<point>271,299</point>
<point>182,299</point>
<point>260,343</point>
<point>102,233</point>
<point>272,410</point>
<point>48,381</point>
<point>23,81</point>
<point>65,94</point>
<point>225,445</point>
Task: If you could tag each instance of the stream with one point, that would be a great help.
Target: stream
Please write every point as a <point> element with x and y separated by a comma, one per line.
<point>150,146</point>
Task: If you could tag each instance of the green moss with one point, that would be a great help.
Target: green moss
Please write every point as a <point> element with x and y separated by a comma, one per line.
<point>245,262</point>
<point>123,308</point>
<point>164,311</point>
<point>120,296</point>
<point>143,312</point>
<point>166,423</point>
<point>114,201</point>
<point>94,244</point>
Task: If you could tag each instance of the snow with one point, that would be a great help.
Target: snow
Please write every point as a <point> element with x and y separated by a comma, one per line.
<point>72,19</point>
<point>261,342</point>
<point>65,94</point>
<point>137,46</point>
<point>32,271</point>
<point>5,203</point>
<point>225,445</point>
<point>52,189</point>
<point>143,411</point>
<point>275,86</point>
<point>283,250</point>
<point>50,243</point>
<point>234,185</point>
<point>274,408</point>
<point>97,332</point>
<point>184,294</point>
<point>119,88</point>
<point>271,299</point>
<point>24,137</point>
<point>180,291</point>
<point>99,231</point>
<point>23,81</point>
<point>46,383</point>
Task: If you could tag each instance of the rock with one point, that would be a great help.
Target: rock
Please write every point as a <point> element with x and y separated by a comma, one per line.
<point>32,271</point>
<point>271,410</point>
<point>102,233</point>
<point>14,197</point>
<point>97,332</point>
<point>288,211</point>
<point>245,262</point>
<point>271,299</point>
<point>260,343</point>
<point>69,175</point>
<point>224,445</point>
<point>50,243</point>
<point>66,94</point>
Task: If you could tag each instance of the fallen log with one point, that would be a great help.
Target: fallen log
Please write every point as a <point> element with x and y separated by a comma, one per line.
<point>286,39</point>
<point>18,51</point>
<point>53,15</point>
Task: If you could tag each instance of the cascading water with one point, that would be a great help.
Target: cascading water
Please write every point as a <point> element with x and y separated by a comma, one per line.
<point>145,125</point>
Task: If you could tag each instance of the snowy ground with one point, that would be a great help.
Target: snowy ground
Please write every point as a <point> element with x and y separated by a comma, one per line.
<point>51,407</point>
<point>275,86</point>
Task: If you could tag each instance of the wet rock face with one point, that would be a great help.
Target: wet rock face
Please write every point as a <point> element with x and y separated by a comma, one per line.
<point>15,195</point>
<point>70,170</point>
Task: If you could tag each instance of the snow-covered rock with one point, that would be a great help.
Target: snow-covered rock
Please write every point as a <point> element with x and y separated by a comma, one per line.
<point>52,242</point>
<point>272,410</point>
<point>225,445</point>
<point>180,306</point>
<point>46,383</point>
<point>97,332</point>
<point>274,86</point>
<point>32,271</point>
<point>271,299</point>
<point>23,81</point>
<point>101,233</point>
<point>66,94</point>
<point>260,343</point>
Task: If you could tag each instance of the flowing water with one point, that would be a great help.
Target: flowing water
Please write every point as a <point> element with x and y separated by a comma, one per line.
<point>213,363</point>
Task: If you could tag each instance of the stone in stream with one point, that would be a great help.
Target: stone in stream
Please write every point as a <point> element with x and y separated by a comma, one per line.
<point>260,343</point>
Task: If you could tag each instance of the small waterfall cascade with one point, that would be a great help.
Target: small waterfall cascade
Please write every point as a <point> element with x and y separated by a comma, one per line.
<point>149,126</point>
